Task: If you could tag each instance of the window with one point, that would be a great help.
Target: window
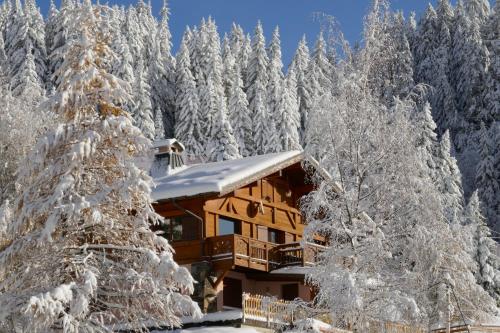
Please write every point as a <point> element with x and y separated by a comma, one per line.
<point>275,236</point>
<point>228,226</point>
<point>185,227</point>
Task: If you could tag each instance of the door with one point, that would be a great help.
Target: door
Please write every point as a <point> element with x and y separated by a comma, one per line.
<point>290,291</point>
<point>232,294</point>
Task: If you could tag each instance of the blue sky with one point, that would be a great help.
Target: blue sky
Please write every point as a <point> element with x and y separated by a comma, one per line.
<point>294,17</point>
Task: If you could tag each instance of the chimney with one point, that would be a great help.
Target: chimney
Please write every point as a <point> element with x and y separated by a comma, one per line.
<point>168,157</point>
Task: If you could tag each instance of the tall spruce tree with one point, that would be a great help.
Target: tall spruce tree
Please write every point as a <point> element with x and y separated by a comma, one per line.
<point>275,90</point>
<point>143,110</point>
<point>239,114</point>
<point>187,120</point>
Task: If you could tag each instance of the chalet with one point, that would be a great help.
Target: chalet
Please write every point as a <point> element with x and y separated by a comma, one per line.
<point>235,225</point>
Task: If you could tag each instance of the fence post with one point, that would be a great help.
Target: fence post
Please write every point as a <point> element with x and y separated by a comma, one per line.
<point>243,299</point>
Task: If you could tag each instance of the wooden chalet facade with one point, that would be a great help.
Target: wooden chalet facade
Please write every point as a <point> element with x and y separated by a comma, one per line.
<point>236,224</point>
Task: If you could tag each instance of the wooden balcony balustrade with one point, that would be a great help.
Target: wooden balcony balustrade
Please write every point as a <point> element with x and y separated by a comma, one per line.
<point>237,250</point>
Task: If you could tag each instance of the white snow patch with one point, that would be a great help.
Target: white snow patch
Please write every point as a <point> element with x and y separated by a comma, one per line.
<point>292,270</point>
<point>215,316</point>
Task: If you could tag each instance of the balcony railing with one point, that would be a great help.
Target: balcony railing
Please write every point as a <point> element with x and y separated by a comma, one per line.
<point>255,254</point>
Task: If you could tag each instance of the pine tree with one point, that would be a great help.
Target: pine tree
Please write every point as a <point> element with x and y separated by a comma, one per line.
<point>491,110</point>
<point>211,87</point>
<point>275,89</point>
<point>470,58</point>
<point>26,82</point>
<point>323,66</point>
<point>288,117</point>
<point>36,38</point>
<point>239,114</point>
<point>449,181</point>
<point>477,10</point>
<point>16,30</point>
<point>143,110</point>
<point>484,248</point>
<point>487,176</point>
<point>60,34</point>
<point>427,139</point>
<point>85,220</point>
<point>427,34</point>
<point>187,122</point>
<point>257,79</point>
<point>159,128</point>
<point>222,145</point>
<point>300,64</point>
<point>229,63</point>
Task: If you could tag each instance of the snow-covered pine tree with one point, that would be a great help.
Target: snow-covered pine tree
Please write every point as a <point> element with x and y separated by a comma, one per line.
<point>26,81</point>
<point>443,95</point>
<point>59,35</point>
<point>275,90</point>
<point>300,64</point>
<point>123,65</point>
<point>470,61</point>
<point>427,139</point>
<point>86,219</point>
<point>159,128</point>
<point>187,114</point>
<point>222,145</point>
<point>477,10</point>
<point>426,42</point>
<point>132,31</point>
<point>449,181</point>
<point>162,72</point>
<point>487,177</point>
<point>491,110</point>
<point>228,63</point>
<point>239,115</point>
<point>288,116</point>
<point>483,248</point>
<point>257,80</point>
<point>16,30</point>
<point>36,38</point>
<point>142,110</point>
<point>324,69</point>
<point>211,87</point>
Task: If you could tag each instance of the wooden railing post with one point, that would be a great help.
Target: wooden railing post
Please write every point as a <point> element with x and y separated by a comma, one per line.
<point>243,306</point>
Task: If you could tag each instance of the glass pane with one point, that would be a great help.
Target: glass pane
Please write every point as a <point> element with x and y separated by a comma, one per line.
<point>227,226</point>
<point>177,229</point>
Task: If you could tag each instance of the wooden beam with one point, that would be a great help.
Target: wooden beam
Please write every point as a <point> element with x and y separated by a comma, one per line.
<point>219,279</point>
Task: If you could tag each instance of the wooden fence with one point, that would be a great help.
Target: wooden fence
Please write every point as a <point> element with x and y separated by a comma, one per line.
<point>266,309</point>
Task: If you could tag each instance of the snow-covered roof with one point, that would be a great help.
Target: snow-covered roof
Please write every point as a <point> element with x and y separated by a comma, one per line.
<point>168,143</point>
<point>222,177</point>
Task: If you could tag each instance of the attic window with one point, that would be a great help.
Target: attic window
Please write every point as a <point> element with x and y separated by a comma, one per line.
<point>228,226</point>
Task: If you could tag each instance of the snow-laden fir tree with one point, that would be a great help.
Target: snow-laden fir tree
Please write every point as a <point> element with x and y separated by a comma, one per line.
<point>159,127</point>
<point>26,81</point>
<point>84,215</point>
<point>36,38</point>
<point>239,115</point>
<point>123,65</point>
<point>187,113</point>
<point>426,42</point>
<point>59,35</point>
<point>275,90</point>
<point>229,64</point>
<point>222,145</point>
<point>324,74</point>
<point>288,116</point>
<point>470,61</point>
<point>477,10</point>
<point>211,87</point>
<point>449,181</point>
<point>426,138</point>
<point>300,64</point>
<point>487,176</point>
<point>491,109</point>
<point>484,247</point>
<point>162,72</point>
<point>142,110</point>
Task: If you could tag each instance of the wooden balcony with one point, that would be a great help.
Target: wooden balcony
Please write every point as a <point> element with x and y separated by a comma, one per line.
<point>235,250</point>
